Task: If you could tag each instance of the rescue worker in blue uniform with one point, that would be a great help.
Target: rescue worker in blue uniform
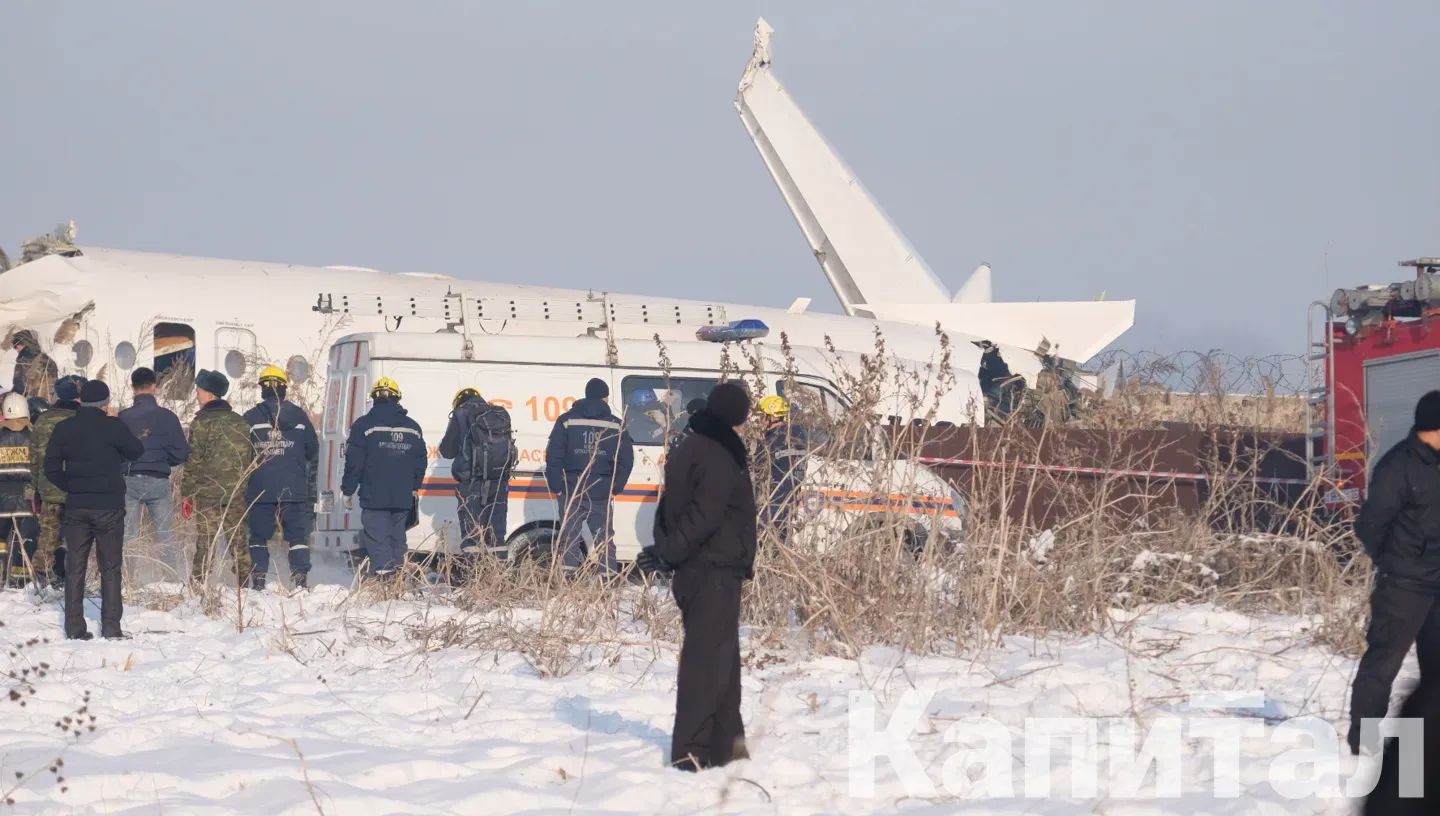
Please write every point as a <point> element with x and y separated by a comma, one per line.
<point>785,445</point>
<point>19,528</point>
<point>279,491</point>
<point>587,461</point>
<point>385,463</point>
<point>480,444</point>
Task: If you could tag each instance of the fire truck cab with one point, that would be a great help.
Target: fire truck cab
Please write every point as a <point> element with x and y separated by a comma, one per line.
<point>1373,352</point>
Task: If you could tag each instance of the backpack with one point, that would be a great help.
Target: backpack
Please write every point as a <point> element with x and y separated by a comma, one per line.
<point>490,443</point>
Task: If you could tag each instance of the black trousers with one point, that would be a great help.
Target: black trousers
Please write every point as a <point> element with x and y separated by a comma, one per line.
<point>1399,617</point>
<point>483,507</point>
<point>104,531</point>
<point>707,698</point>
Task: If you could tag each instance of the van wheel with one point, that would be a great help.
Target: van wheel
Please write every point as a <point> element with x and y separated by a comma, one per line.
<point>533,546</point>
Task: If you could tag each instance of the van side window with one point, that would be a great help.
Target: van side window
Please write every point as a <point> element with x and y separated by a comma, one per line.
<point>824,416</point>
<point>657,408</point>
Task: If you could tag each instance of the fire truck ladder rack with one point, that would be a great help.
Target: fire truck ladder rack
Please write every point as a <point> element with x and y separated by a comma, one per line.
<point>1319,396</point>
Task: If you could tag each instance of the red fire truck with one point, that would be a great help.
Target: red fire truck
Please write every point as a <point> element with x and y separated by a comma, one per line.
<point>1373,351</point>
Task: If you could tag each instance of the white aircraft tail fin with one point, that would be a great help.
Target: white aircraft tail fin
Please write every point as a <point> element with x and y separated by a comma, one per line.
<point>859,248</point>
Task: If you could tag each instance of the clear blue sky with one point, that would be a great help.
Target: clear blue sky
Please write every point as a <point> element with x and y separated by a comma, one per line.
<point>1222,163</point>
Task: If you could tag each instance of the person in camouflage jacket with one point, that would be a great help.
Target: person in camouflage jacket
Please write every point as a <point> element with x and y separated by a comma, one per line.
<point>213,484</point>
<point>49,564</point>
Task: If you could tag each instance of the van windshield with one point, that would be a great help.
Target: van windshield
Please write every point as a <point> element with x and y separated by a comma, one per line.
<point>657,409</point>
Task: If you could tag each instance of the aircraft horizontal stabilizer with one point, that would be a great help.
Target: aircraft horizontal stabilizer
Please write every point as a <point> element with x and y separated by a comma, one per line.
<point>1080,329</point>
<point>976,288</point>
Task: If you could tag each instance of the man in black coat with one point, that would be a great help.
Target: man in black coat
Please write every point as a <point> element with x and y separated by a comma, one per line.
<point>1400,528</point>
<point>86,458</point>
<point>705,530</point>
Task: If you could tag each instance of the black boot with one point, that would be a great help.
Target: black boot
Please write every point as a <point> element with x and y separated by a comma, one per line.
<point>301,579</point>
<point>257,582</point>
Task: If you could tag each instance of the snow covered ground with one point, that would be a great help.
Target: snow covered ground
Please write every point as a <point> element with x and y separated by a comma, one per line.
<point>324,705</point>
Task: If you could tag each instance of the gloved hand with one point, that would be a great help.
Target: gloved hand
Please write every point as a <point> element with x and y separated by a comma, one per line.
<point>187,508</point>
<point>651,564</point>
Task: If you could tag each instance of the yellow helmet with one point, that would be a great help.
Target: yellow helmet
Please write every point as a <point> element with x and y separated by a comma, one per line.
<point>274,375</point>
<point>460,396</point>
<point>385,386</point>
<point>775,406</point>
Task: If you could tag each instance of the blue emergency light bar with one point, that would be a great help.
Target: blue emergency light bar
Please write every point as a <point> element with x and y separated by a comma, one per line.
<point>749,329</point>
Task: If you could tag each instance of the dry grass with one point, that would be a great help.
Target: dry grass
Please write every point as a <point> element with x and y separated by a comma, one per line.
<point>1042,550</point>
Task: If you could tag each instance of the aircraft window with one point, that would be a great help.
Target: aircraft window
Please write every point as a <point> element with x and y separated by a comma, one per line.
<point>84,352</point>
<point>656,408</point>
<point>299,369</point>
<point>175,359</point>
<point>125,355</point>
<point>235,363</point>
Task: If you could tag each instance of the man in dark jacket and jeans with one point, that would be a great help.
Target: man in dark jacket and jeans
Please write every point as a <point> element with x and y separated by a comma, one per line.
<point>86,458</point>
<point>148,483</point>
<point>587,461</point>
<point>1400,528</point>
<point>705,531</point>
<point>385,462</point>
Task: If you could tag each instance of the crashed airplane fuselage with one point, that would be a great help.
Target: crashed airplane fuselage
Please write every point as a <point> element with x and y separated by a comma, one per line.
<point>102,312</point>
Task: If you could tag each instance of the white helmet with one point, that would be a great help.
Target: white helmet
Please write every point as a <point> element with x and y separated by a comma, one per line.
<point>15,406</point>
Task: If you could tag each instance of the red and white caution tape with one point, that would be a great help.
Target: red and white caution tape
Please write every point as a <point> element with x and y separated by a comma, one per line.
<point>1097,471</point>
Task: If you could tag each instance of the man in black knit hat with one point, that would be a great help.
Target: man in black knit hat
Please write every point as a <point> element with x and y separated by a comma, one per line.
<point>1400,528</point>
<point>705,532</point>
<point>587,462</point>
<point>86,458</point>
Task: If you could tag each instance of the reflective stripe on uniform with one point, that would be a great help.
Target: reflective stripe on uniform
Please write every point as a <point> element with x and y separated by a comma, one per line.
<point>593,423</point>
<point>263,426</point>
<point>388,429</point>
<point>294,547</point>
<point>791,452</point>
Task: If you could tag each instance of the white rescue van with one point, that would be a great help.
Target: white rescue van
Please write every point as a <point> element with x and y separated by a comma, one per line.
<point>537,378</point>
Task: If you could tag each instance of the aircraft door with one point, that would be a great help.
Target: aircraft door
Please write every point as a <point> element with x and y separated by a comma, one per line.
<point>235,350</point>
